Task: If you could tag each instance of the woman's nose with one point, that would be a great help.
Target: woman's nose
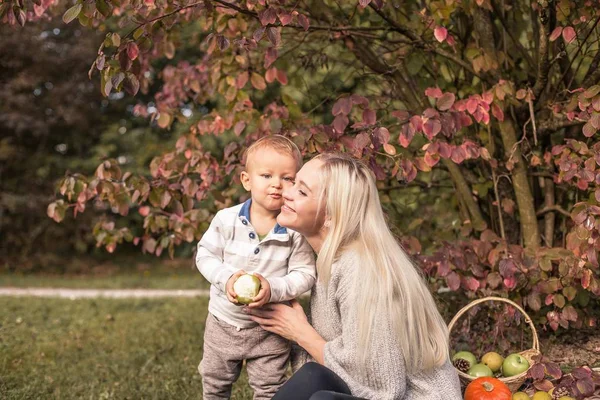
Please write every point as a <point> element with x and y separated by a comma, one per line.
<point>286,194</point>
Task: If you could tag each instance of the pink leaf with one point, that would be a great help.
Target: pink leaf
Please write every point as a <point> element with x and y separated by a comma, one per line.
<point>431,159</point>
<point>271,74</point>
<point>364,3</point>
<point>340,123</point>
<point>472,104</point>
<point>268,16</point>
<point>369,117</point>
<point>488,97</point>
<point>284,16</point>
<point>497,112</point>
<point>342,106</point>
<point>458,154</point>
<point>556,33</point>
<point>446,101</point>
<point>382,135</point>
<point>471,283</point>
<point>569,34</point>
<point>431,128</point>
<point>132,50</point>
<point>589,130</point>
<point>440,33</point>
<point>407,135</point>
<point>433,92</point>
<point>144,211</point>
<point>282,77</point>
<point>303,21</point>
<point>241,80</point>
<point>239,128</point>
<point>453,281</point>
<point>510,283</point>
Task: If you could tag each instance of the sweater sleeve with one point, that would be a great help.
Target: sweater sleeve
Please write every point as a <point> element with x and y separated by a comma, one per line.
<point>209,257</point>
<point>301,275</point>
<point>383,374</point>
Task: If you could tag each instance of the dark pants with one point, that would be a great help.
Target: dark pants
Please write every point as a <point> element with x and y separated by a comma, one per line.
<point>314,382</point>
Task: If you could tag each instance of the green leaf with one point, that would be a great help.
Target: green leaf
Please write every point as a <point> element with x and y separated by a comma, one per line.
<point>103,7</point>
<point>72,13</point>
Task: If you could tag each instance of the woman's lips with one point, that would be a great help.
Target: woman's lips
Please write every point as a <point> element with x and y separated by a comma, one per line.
<point>287,208</point>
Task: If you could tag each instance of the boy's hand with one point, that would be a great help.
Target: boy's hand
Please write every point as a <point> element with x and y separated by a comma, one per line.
<point>231,295</point>
<point>264,294</point>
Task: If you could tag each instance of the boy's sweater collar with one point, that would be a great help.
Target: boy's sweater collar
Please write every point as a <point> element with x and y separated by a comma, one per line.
<point>244,214</point>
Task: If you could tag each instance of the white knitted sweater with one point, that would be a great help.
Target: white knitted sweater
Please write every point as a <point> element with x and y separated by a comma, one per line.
<point>333,317</point>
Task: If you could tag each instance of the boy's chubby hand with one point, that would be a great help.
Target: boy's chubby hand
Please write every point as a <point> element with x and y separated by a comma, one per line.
<point>231,295</point>
<point>264,294</point>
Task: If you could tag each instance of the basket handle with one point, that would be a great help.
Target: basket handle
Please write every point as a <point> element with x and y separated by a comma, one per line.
<point>536,341</point>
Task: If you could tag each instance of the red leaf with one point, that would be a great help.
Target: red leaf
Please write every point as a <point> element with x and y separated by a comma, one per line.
<point>271,74</point>
<point>446,101</point>
<point>340,123</point>
<point>569,34</point>
<point>407,135</point>
<point>274,35</point>
<point>431,159</point>
<point>440,33</point>
<point>453,281</point>
<point>270,56</point>
<point>370,117</point>
<point>342,106</point>
<point>132,50</point>
<point>268,16</point>
<point>282,77</point>
<point>543,385</point>
<point>431,128</point>
<point>586,386</point>
<point>537,372</point>
<point>472,104</point>
<point>382,135</point>
<point>303,21</point>
<point>497,112</point>
<point>401,114</point>
<point>239,128</point>
<point>417,123</point>
<point>258,34</point>
<point>589,130</point>
<point>553,370</point>
<point>364,3</point>
<point>360,100</point>
<point>144,211</point>
<point>458,154</point>
<point>556,33</point>
<point>284,16</point>
<point>241,80</point>
<point>510,283</point>
<point>595,120</point>
<point>471,283</point>
<point>435,92</point>
<point>581,373</point>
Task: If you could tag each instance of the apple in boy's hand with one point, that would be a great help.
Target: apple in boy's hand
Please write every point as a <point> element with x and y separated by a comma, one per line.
<point>246,287</point>
<point>514,364</point>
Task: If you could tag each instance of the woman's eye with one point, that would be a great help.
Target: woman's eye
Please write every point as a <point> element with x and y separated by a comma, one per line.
<point>301,192</point>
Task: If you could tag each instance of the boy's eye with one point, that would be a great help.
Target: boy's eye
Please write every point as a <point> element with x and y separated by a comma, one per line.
<point>289,179</point>
<point>267,176</point>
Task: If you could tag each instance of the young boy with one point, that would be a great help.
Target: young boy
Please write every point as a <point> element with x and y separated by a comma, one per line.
<point>247,239</point>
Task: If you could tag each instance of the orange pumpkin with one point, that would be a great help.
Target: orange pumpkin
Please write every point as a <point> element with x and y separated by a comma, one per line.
<point>487,388</point>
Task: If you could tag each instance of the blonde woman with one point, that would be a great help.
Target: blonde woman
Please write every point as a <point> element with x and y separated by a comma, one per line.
<point>375,331</point>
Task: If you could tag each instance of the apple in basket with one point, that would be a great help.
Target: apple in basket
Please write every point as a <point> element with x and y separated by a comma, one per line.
<point>514,364</point>
<point>246,287</point>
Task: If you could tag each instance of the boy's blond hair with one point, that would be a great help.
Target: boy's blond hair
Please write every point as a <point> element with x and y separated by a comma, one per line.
<point>278,143</point>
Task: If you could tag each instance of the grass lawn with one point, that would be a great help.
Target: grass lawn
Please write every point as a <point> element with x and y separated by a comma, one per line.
<point>164,275</point>
<point>103,349</point>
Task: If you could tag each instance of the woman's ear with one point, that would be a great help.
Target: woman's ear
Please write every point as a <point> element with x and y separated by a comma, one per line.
<point>245,178</point>
<point>327,223</point>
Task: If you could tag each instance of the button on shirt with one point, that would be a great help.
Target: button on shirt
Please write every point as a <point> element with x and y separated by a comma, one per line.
<point>283,257</point>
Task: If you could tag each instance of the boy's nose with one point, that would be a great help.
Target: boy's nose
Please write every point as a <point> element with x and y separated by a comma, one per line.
<point>276,183</point>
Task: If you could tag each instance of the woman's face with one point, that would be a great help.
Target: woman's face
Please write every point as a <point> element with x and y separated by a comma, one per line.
<point>301,210</point>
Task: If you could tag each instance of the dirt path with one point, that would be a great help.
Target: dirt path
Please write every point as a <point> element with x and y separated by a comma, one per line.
<point>99,293</point>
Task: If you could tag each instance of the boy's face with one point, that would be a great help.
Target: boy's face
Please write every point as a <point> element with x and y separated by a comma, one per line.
<point>268,173</point>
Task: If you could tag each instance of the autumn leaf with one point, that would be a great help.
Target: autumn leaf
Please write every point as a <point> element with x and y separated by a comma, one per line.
<point>72,13</point>
<point>258,81</point>
<point>440,33</point>
<point>569,34</point>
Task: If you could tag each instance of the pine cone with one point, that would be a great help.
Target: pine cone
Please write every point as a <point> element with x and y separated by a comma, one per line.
<point>462,365</point>
<point>560,391</point>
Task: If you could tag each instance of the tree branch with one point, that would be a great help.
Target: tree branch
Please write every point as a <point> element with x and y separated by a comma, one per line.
<point>462,187</point>
<point>520,47</point>
<point>554,124</point>
<point>553,208</point>
<point>543,65</point>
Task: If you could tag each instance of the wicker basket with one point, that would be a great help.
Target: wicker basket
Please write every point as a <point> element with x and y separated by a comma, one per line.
<point>513,382</point>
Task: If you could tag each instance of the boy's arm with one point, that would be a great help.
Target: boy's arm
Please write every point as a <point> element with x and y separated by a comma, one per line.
<point>209,257</point>
<point>301,274</point>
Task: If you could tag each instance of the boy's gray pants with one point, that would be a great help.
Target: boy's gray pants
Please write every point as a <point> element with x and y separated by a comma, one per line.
<point>225,348</point>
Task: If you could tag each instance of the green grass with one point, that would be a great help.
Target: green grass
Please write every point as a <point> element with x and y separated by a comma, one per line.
<point>103,349</point>
<point>163,276</point>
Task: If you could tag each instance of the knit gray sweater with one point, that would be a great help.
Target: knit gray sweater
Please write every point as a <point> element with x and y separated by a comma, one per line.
<point>385,378</point>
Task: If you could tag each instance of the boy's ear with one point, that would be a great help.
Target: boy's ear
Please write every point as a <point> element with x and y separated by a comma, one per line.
<point>245,178</point>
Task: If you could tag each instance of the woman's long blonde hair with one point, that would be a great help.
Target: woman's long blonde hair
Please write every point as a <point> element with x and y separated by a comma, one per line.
<point>388,281</point>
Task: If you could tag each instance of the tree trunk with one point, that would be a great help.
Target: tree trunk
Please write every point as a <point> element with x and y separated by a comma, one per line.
<point>525,202</point>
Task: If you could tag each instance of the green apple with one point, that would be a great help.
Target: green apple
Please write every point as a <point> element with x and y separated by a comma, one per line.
<point>467,356</point>
<point>492,360</point>
<point>514,364</point>
<point>246,287</point>
<point>479,370</point>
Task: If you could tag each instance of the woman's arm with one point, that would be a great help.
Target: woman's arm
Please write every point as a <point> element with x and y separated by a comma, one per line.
<point>290,323</point>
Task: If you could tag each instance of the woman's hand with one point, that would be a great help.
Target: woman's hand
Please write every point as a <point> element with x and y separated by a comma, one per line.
<point>286,321</point>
